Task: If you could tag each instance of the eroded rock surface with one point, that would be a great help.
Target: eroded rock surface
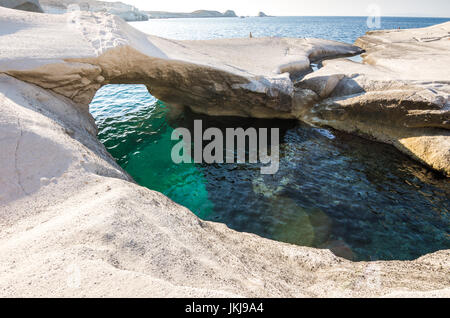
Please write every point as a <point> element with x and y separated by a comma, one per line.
<point>123,10</point>
<point>72,223</point>
<point>216,76</point>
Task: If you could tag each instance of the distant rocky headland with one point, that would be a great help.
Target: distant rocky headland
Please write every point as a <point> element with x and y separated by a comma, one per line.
<point>195,14</point>
<point>123,10</point>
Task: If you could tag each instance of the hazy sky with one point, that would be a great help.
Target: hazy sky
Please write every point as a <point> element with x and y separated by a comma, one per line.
<point>438,8</point>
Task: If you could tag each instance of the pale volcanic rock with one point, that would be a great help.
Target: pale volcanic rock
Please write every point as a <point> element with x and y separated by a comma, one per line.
<point>74,224</point>
<point>401,95</point>
<point>196,14</point>
<point>25,5</point>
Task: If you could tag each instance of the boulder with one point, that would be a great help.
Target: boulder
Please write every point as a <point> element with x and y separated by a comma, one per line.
<point>230,14</point>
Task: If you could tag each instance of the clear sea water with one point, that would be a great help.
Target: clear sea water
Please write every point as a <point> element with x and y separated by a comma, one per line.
<point>345,29</point>
<point>361,199</point>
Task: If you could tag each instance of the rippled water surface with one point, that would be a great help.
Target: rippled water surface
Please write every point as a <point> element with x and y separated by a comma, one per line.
<point>361,199</point>
<point>345,29</point>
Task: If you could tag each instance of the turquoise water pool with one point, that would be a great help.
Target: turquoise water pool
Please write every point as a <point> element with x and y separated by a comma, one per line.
<point>361,199</point>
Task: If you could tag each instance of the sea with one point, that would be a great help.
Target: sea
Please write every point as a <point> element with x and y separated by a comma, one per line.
<point>361,199</point>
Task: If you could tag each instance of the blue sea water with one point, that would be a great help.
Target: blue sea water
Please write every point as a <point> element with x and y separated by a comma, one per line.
<point>361,199</point>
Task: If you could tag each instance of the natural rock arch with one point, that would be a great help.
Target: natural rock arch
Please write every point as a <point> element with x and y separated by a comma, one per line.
<point>24,5</point>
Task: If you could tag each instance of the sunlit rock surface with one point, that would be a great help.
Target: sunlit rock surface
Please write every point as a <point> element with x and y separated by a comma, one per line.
<point>195,14</point>
<point>213,76</point>
<point>72,223</point>
<point>259,77</point>
<point>123,10</point>
<point>399,96</point>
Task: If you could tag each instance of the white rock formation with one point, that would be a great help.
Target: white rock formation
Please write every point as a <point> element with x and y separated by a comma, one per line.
<point>401,96</point>
<point>72,223</point>
<point>252,77</point>
<point>258,66</point>
<point>195,14</point>
<point>123,10</point>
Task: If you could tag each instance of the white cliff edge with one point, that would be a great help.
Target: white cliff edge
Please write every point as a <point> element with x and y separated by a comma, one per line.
<point>72,222</point>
